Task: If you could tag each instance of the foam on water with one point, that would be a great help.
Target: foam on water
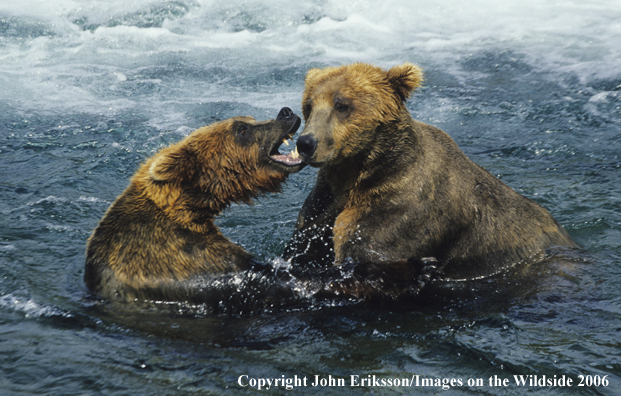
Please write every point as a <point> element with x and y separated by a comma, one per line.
<point>30,308</point>
<point>98,57</point>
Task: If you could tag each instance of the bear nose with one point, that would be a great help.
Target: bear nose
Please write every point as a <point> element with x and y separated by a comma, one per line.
<point>285,112</point>
<point>306,145</point>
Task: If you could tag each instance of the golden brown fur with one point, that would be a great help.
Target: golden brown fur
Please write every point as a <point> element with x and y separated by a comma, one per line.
<point>390,188</point>
<point>158,239</point>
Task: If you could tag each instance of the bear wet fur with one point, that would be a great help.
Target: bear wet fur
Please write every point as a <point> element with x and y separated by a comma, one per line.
<point>390,188</point>
<point>158,240</point>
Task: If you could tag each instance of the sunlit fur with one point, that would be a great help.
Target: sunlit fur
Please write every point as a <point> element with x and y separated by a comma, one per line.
<point>160,232</point>
<point>392,188</point>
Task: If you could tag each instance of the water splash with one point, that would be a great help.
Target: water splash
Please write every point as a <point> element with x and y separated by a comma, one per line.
<point>31,308</point>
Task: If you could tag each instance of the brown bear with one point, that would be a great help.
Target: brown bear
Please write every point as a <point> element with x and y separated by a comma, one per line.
<point>158,240</point>
<point>390,188</point>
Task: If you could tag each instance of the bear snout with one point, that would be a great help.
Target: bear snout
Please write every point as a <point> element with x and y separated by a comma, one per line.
<point>284,113</point>
<point>306,146</point>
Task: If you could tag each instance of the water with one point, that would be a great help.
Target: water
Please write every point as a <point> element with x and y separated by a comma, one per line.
<point>529,90</point>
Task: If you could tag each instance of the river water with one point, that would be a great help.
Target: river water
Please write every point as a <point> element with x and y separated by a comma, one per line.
<point>530,90</point>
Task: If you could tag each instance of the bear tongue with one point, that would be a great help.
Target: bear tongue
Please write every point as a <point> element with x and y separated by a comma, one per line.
<point>293,158</point>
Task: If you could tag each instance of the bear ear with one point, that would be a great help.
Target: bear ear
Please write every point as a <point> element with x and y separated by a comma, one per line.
<point>405,78</point>
<point>169,165</point>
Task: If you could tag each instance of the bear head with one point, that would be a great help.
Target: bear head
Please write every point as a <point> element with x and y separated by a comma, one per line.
<point>230,161</point>
<point>343,106</point>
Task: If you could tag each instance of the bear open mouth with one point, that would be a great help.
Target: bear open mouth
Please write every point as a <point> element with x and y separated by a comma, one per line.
<point>292,158</point>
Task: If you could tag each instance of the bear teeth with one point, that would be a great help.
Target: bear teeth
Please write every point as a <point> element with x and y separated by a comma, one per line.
<point>293,158</point>
<point>285,142</point>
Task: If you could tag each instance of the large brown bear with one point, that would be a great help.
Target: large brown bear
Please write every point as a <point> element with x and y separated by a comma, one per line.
<point>391,188</point>
<point>158,240</point>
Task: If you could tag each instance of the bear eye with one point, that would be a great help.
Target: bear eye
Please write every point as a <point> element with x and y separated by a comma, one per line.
<point>341,105</point>
<point>244,134</point>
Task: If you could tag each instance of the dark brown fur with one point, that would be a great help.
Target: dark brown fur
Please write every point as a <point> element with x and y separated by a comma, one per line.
<point>158,240</point>
<point>390,188</point>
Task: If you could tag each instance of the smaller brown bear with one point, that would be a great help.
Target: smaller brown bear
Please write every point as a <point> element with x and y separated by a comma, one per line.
<point>390,188</point>
<point>158,240</point>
